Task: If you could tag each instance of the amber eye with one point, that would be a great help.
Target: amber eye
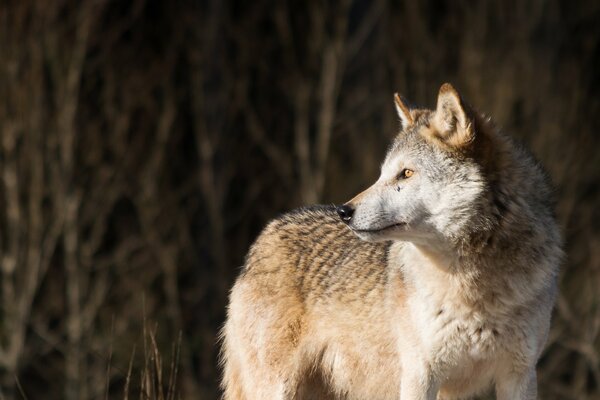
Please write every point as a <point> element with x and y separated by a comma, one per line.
<point>406,173</point>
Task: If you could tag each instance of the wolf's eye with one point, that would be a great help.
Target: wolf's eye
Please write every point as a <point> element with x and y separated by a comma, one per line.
<point>405,173</point>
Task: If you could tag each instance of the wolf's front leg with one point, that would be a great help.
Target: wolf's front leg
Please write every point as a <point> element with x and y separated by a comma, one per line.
<point>417,384</point>
<point>514,386</point>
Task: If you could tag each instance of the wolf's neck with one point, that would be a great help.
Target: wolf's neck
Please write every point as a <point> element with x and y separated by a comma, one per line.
<point>446,265</point>
<point>462,279</point>
<point>434,276</point>
<point>450,258</point>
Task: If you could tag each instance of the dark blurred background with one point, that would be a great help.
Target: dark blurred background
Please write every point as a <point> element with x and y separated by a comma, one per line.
<point>144,144</point>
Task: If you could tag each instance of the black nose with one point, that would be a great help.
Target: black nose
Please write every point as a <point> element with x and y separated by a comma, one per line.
<point>345,212</point>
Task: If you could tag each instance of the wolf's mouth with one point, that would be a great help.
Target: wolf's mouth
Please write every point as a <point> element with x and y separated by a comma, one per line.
<point>379,230</point>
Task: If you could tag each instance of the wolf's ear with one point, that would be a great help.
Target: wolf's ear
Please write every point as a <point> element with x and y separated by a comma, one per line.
<point>452,118</point>
<point>406,118</point>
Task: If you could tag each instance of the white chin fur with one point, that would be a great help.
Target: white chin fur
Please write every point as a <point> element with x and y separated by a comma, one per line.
<point>383,235</point>
<point>372,237</point>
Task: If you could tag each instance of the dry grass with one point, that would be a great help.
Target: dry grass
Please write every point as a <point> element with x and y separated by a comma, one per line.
<point>155,380</point>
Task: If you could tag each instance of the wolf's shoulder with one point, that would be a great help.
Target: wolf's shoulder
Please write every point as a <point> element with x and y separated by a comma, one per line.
<point>313,239</point>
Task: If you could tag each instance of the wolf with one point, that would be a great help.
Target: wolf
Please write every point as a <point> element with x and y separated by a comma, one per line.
<point>437,282</point>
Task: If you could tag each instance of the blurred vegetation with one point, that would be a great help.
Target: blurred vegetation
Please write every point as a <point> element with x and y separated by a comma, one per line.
<point>144,144</point>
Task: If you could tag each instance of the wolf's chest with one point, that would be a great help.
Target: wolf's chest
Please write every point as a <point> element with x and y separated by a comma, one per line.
<point>457,335</point>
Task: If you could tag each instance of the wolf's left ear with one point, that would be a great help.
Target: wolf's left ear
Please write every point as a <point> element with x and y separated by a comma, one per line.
<point>452,118</point>
<point>406,118</point>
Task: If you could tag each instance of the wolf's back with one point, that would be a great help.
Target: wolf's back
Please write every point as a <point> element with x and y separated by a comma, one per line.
<point>311,250</point>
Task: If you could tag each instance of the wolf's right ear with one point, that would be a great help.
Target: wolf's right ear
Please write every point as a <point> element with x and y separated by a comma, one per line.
<point>453,118</point>
<point>406,118</point>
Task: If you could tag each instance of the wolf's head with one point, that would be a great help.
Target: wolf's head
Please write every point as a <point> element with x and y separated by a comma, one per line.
<point>433,180</point>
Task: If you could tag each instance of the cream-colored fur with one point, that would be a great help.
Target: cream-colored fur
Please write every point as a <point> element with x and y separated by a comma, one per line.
<point>439,286</point>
